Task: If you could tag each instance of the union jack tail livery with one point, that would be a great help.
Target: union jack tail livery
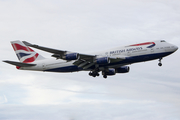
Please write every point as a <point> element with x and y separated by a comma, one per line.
<point>24,53</point>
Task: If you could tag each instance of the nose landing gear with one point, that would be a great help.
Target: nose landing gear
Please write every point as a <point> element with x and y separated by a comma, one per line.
<point>160,64</point>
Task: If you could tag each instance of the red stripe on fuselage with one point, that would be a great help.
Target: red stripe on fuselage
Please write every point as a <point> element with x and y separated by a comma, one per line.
<point>147,43</point>
<point>20,47</point>
<point>31,59</point>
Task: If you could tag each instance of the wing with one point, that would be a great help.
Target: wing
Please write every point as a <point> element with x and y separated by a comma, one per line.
<point>54,51</point>
<point>84,60</point>
<point>59,54</point>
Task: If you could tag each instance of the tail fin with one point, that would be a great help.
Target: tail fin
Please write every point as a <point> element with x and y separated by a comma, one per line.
<point>24,53</point>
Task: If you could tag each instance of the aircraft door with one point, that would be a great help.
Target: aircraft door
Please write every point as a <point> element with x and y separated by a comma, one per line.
<point>152,50</point>
<point>44,66</point>
<point>129,53</point>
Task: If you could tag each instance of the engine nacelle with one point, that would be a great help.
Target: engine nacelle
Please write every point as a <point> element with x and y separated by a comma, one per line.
<point>123,69</point>
<point>71,56</point>
<point>110,71</point>
<point>102,60</point>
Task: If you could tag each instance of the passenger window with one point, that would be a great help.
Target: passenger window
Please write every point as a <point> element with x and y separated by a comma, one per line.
<point>163,41</point>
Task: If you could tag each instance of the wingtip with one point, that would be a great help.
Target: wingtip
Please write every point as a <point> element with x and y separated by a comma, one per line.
<point>4,61</point>
<point>27,43</point>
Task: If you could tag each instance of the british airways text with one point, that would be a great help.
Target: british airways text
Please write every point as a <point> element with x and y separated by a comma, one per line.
<point>126,50</point>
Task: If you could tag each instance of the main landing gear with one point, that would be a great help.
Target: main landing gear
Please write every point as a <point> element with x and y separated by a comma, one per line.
<point>160,64</point>
<point>104,76</point>
<point>93,74</point>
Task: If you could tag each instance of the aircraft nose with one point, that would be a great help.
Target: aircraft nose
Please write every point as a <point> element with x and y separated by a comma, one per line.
<point>175,48</point>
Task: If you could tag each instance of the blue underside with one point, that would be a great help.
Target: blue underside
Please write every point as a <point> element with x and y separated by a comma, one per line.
<point>128,60</point>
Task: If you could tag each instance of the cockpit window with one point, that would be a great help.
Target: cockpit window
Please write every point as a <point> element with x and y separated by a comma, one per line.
<point>163,41</point>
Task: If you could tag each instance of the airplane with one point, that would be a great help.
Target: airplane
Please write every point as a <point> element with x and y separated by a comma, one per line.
<point>108,62</point>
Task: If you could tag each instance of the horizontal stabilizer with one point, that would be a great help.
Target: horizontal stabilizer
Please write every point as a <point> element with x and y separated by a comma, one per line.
<point>19,63</point>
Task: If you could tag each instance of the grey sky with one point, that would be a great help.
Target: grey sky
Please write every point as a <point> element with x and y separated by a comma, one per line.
<point>147,92</point>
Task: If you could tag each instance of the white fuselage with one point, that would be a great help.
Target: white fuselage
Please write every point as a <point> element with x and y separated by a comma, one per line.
<point>131,54</point>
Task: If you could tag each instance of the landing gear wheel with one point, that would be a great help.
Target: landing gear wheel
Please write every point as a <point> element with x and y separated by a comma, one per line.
<point>93,74</point>
<point>90,74</point>
<point>97,74</point>
<point>105,76</point>
<point>160,64</point>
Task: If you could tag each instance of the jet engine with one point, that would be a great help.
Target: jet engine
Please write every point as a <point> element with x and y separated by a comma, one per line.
<point>102,60</point>
<point>71,56</point>
<point>123,69</point>
<point>110,71</point>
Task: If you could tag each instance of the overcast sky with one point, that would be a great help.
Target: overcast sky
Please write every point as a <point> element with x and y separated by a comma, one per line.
<point>148,92</point>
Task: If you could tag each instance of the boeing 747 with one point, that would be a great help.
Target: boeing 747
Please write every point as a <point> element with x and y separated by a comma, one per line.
<point>108,62</point>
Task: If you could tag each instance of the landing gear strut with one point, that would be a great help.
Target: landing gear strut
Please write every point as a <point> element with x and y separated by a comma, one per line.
<point>160,64</point>
<point>104,74</point>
